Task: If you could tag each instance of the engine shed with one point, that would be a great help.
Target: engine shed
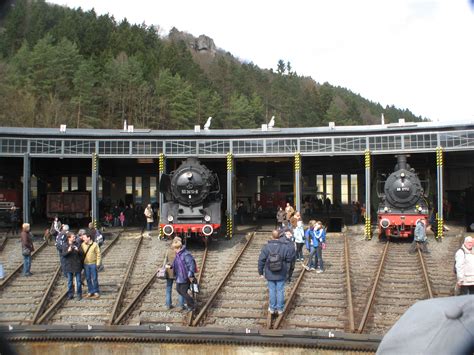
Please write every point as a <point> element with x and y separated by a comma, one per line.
<point>322,171</point>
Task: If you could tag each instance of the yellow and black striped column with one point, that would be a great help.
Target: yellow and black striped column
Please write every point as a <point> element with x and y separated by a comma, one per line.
<point>161,171</point>
<point>95,188</point>
<point>439,170</point>
<point>230,199</point>
<point>297,186</point>
<point>368,225</point>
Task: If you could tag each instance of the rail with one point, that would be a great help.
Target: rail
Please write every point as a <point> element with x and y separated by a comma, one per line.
<point>350,305</point>
<point>4,242</point>
<point>203,265</point>
<point>370,301</point>
<point>425,273</point>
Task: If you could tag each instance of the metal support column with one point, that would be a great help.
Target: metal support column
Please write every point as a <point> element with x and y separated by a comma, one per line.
<point>230,199</point>
<point>26,187</point>
<point>297,201</point>
<point>95,189</point>
<point>439,172</point>
<point>161,199</point>
<point>368,225</point>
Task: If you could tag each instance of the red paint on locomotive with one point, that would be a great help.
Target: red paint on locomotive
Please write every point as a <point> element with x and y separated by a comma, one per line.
<point>184,228</point>
<point>401,225</point>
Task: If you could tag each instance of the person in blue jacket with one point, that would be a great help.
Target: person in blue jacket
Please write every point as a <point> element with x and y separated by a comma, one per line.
<point>315,237</point>
<point>184,267</point>
<point>273,266</point>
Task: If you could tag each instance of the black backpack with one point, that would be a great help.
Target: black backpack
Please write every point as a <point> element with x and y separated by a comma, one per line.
<point>275,261</point>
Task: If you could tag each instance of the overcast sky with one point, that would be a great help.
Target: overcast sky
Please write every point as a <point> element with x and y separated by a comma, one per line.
<point>415,54</point>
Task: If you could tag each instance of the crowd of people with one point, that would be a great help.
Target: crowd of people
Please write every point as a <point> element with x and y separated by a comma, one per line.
<point>79,253</point>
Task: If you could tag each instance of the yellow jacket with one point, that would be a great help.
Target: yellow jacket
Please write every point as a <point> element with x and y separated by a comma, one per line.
<point>93,255</point>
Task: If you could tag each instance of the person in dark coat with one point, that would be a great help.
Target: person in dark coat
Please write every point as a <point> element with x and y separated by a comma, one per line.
<point>14,218</point>
<point>280,217</point>
<point>275,279</point>
<point>27,248</point>
<point>184,268</point>
<point>72,255</point>
<point>286,237</point>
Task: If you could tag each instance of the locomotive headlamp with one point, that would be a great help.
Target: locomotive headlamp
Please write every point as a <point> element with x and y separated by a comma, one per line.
<point>385,209</point>
<point>170,218</point>
<point>168,230</point>
<point>384,223</point>
<point>207,218</point>
<point>420,208</point>
<point>402,175</point>
<point>207,230</point>
<point>189,175</point>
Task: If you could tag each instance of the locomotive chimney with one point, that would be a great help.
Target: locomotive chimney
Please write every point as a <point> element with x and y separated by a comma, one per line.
<point>401,162</point>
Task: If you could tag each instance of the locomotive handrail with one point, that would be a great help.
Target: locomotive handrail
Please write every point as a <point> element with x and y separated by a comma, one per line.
<point>223,281</point>
<point>425,273</point>
<point>374,288</point>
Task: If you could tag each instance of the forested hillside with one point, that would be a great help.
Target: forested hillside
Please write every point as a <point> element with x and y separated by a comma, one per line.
<point>59,65</point>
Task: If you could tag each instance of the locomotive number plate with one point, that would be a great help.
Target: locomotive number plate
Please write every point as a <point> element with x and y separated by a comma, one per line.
<point>189,192</point>
<point>403,189</point>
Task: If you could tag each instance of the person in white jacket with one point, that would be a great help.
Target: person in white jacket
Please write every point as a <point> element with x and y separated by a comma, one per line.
<point>465,267</point>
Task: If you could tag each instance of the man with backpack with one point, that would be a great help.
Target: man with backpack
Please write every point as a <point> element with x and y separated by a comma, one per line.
<point>61,240</point>
<point>464,267</point>
<point>273,266</point>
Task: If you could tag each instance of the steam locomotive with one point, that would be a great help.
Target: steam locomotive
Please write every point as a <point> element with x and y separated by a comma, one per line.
<point>403,202</point>
<point>192,206</point>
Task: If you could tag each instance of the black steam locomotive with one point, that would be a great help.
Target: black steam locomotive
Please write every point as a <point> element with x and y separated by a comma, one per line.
<point>192,207</point>
<point>403,202</point>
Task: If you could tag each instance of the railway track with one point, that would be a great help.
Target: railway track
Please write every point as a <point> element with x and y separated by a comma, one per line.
<point>19,295</point>
<point>241,299</point>
<point>320,300</point>
<point>399,283</point>
<point>11,258</point>
<point>148,261</point>
<point>148,305</point>
<point>117,256</point>
<point>365,288</point>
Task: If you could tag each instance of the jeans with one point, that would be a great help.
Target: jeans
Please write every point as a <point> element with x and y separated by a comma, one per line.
<point>62,261</point>
<point>169,288</point>
<point>313,257</point>
<point>149,226</point>
<point>276,293</point>
<point>26,264</point>
<point>183,291</point>
<point>319,253</point>
<point>91,278</point>
<point>299,251</point>
<point>70,283</point>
